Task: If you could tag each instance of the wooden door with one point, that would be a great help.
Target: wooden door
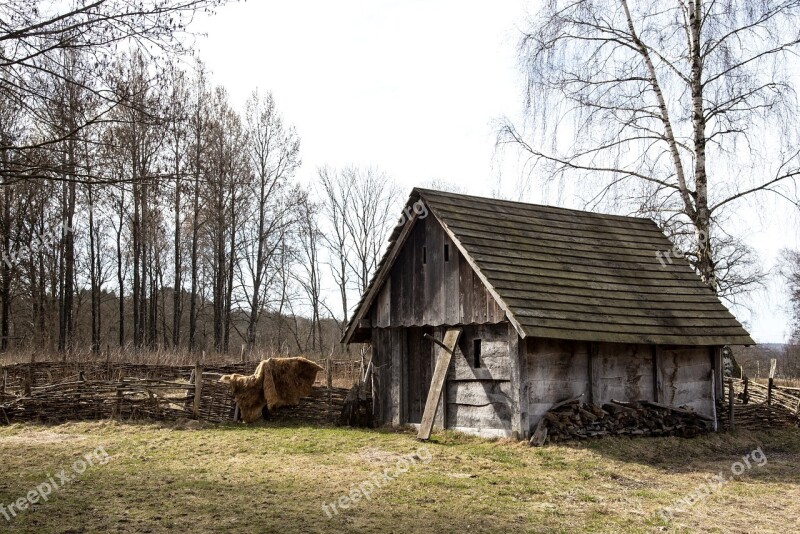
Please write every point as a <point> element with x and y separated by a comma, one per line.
<point>419,371</point>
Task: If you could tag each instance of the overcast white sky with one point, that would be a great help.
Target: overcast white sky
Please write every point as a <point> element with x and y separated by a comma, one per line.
<point>415,87</point>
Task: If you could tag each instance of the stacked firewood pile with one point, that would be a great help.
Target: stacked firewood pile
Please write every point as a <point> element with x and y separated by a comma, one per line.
<point>577,420</point>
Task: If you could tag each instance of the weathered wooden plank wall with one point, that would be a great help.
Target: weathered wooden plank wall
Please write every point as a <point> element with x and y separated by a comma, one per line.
<point>382,375</point>
<point>558,370</point>
<point>686,377</point>
<point>624,372</point>
<point>427,288</point>
<point>481,398</point>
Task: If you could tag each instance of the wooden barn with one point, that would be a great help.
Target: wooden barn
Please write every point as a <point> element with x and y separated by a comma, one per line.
<point>546,304</point>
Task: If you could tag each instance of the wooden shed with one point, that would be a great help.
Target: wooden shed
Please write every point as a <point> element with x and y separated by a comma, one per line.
<point>550,302</point>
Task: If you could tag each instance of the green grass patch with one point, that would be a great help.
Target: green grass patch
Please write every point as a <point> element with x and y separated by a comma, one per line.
<point>276,478</point>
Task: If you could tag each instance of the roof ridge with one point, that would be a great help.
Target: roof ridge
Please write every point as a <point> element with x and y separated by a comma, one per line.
<point>584,212</point>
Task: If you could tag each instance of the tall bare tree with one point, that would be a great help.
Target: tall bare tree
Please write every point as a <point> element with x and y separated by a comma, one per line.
<point>177,142</point>
<point>359,206</point>
<point>309,274</point>
<point>790,269</point>
<point>681,109</point>
<point>198,137</point>
<point>274,154</point>
<point>37,34</point>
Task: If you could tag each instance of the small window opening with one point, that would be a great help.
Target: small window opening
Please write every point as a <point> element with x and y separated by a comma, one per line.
<point>447,253</point>
<point>424,255</point>
<point>476,352</point>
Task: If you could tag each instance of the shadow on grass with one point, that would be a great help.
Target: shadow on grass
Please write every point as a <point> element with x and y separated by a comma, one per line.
<point>712,453</point>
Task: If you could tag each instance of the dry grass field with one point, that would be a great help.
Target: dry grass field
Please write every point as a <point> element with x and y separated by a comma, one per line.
<point>272,478</point>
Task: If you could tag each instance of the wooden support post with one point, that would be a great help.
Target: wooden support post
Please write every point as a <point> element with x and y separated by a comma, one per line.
<point>520,424</point>
<point>437,382</point>
<point>3,379</point>
<point>242,355</point>
<point>198,389</point>
<point>731,423</point>
<point>594,374</point>
<point>657,389</point>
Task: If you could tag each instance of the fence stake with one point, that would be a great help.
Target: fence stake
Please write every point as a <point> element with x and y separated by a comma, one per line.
<point>746,396</point>
<point>118,406</point>
<point>769,391</point>
<point>329,381</point>
<point>29,384</point>
<point>198,389</point>
<point>730,405</point>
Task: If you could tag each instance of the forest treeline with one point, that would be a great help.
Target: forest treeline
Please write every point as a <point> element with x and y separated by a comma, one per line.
<point>140,208</point>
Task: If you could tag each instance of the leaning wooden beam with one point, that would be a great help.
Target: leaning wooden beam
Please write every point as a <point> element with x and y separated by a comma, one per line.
<point>446,350</point>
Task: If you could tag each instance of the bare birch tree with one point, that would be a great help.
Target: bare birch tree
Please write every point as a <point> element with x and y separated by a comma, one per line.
<point>682,109</point>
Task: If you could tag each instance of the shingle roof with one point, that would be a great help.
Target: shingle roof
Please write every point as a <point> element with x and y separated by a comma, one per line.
<point>577,275</point>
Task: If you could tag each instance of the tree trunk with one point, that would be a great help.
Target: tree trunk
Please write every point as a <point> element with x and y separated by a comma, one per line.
<point>177,301</point>
<point>705,263</point>
<point>120,270</point>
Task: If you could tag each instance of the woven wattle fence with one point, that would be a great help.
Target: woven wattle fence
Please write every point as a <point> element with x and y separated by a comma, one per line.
<point>61,391</point>
<point>758,407</point>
